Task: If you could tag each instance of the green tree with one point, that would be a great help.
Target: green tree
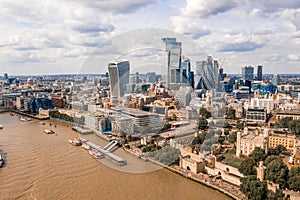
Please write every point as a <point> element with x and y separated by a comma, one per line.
<point>230,113</point>
<point>232,137</point>
<point>202,124</point>
<point>247,167</point>
<point>277,195</point>
<point>269,159</point>
<point>279,149</point>
<point>166,127</point>
<point>294,126</point>
<point>239,125</point>
<point>277,172</point>
<point>284,122</point>
<point>253,188</point>
<point>204,113</point>
<point>294,179</point>
<point>258,154</point>
<point>221,139</point>
<point>166,155</point>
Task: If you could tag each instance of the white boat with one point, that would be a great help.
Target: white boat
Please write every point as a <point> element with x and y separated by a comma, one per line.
<point>75,142</point>
<point>1,160</point>
<point>85,146</point>
<point>47,131</point>
<point>97,155</point>
<point>1,126</point>
<point>43,123</point>
<point>28,119</point>
<point>22,119</point>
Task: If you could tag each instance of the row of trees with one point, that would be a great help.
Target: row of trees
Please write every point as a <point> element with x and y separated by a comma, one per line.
<point>65,117</point>
<point>166,155</point>
<point>292,125</point>
<point>276,171</point>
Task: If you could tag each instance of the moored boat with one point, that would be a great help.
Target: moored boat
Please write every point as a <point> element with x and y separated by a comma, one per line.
<point>95,154</point>
<point>1,160</point>
<point>75,142</point>
<point>47,131</point>
<point>1,126</point>
<point>22,119</point>
<point>85,146</point>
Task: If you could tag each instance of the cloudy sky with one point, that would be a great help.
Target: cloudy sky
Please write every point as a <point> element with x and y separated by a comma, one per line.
<point>54,37</point>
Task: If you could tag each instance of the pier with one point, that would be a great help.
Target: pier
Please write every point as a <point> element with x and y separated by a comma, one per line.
<point>106,152</point>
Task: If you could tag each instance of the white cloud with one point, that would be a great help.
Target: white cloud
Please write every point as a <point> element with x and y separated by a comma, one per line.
<point>189,27</point>
<point>204,8</point>
<point>296,20</point>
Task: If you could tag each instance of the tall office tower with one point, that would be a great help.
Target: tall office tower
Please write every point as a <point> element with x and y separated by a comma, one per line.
<point>172,59</point>
<point>118,77</point>
<point>207,74</point>
<point>276,79</point>
<point>5,76</point>
<point>247,73</point>
<point>187,75</point>
<point>134,78</point>
<point>151,77</point>
<point>259,72</point>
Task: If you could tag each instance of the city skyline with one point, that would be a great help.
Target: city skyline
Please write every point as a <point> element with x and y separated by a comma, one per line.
<point>53,37</point>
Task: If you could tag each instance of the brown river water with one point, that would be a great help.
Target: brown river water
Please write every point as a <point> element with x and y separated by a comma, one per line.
<point>41,166</point>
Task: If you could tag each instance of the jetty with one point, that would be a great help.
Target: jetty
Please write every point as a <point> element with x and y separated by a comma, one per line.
<point>106,151</point>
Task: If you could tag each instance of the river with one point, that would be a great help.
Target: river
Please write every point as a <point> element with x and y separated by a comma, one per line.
<point>41,166</point>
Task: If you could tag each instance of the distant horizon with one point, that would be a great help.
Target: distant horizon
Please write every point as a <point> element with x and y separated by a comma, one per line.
<point>82,74</point>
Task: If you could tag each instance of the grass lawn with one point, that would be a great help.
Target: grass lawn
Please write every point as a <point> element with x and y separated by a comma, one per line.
<point>231,159</point>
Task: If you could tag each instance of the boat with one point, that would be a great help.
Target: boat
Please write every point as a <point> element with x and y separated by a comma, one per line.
<point>22,119</point>
<point>2,161</point>
<point>97,155</point>
<point>75,142</point>
<point>29,119</point>
<point>85,146</point>
<point>47,131</point>
<point>1,126</point>
<point>43,123</point>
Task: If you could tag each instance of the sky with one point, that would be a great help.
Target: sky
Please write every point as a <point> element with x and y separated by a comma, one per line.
<point>59,37</point>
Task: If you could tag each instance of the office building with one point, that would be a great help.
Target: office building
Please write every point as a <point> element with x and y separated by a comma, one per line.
<point>207,74</point>
<point>247,73</point>
<point>172,60</point>
<point>5,76</point>
<point>259,73</point>
<point>151,77</point>
<point>118,77</point>
<point>187,74</point>
<point>276,79</point>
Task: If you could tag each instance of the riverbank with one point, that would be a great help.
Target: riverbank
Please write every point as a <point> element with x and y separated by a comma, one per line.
<point>223,187</point>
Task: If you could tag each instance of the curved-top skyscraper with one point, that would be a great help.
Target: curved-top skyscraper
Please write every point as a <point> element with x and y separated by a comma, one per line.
<point>118,77</point>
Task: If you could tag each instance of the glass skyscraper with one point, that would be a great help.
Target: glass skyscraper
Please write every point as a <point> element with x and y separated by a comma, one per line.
<point>247,73</point>
<point>172,56</point>
<point>207,74</point>
<point>118,77</point>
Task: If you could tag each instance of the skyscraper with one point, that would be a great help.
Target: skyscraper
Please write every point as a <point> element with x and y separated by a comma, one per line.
<point>118,77</point>
<point>172,59</point>
<point>259,72</point>
<point>276,79</point>
<point>5,76</point>
<point>207,74</point>
<point>187,75</point>
<point>151,77</point>
<point>247,73</point>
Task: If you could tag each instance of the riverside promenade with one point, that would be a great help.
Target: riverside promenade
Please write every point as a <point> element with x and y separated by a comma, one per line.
<point>217,184</point>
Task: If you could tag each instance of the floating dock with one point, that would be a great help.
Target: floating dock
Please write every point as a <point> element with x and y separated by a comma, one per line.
<point>116,159</point>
